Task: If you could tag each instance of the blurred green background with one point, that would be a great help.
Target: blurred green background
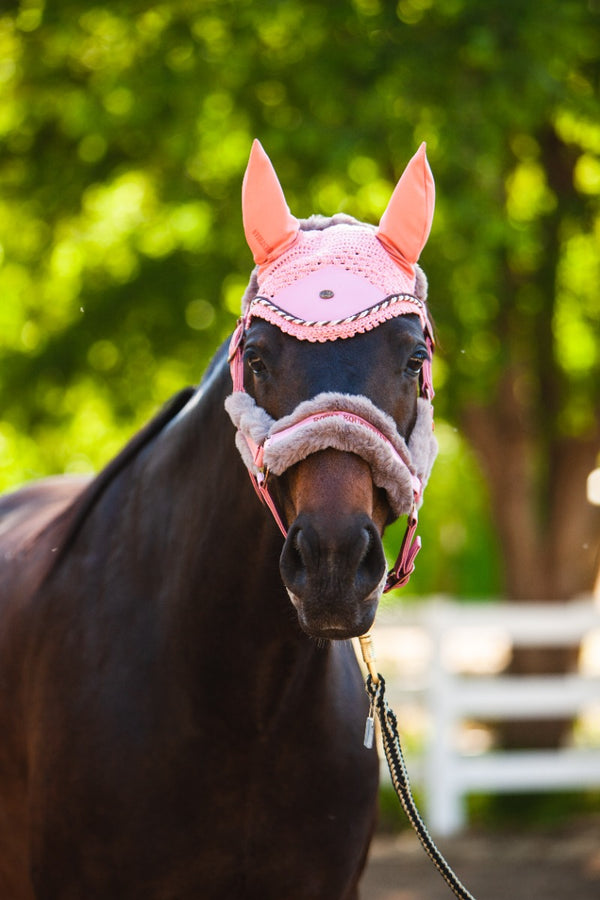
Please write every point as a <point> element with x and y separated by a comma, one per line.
<point>124,133</point>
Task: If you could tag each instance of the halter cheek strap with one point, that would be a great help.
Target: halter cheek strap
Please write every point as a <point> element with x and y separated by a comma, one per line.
<point>235,358</point>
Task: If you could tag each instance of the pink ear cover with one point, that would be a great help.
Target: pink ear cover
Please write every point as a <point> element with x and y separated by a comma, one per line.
<point>406,223</point>
<point>323,282</point>
<point>269,226</point>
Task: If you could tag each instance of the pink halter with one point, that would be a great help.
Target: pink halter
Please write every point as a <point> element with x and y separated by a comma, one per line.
<point>326,283</point>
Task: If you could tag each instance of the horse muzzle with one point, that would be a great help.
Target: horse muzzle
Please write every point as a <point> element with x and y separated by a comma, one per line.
<point>334,570</point>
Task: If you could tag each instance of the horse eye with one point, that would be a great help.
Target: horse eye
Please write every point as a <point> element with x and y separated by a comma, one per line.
<point>257,366</point>
<point>415,363</point>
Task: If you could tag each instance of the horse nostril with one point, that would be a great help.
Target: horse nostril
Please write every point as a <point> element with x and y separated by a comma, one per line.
<point>372,565</point>
<point>297,558</point>
<point>293,561</point>
<point>368,539</point>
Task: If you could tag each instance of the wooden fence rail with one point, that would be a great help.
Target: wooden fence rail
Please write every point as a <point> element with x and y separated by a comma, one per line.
<point>448,693</point>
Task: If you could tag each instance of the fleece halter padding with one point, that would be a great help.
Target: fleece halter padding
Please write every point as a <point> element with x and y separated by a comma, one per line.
<point>346,422</point>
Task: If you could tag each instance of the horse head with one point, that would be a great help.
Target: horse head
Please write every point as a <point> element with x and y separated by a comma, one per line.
<point>329,357</point>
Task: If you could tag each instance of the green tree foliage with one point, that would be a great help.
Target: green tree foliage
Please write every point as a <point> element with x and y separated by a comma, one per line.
<point>124,132</point>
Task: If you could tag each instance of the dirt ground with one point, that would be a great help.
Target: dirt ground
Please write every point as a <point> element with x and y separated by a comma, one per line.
<point>543,865</point>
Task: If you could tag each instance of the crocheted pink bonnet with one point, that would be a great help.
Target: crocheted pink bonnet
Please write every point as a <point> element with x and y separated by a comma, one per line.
<point>326,283</point>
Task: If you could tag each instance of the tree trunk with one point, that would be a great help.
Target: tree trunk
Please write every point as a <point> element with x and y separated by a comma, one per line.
<point>547,530</point>
<point>549,547</point>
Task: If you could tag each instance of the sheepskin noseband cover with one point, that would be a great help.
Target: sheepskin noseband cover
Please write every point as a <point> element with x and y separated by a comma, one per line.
<point>400,468</point>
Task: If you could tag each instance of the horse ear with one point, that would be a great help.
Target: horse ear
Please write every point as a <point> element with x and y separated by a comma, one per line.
<point>406,223</point>
<point>269,226</point>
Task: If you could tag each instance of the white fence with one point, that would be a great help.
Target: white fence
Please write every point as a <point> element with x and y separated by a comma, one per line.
<point>440,661</point>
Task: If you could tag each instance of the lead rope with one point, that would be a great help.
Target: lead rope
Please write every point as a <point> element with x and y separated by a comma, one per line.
<point>393,752</point>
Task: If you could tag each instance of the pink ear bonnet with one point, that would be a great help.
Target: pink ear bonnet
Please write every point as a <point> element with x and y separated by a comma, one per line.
<point>330,283</point>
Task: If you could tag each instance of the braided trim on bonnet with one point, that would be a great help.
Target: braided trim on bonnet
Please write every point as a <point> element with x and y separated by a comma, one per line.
<point>322,331</point>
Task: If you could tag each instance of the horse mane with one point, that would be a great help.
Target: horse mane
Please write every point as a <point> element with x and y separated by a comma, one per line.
<point>77,512</point>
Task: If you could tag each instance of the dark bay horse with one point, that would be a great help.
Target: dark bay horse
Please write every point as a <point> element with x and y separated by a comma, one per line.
<point>181,713</point>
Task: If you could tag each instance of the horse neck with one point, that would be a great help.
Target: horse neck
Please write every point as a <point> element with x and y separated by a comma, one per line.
<point>217,547</point>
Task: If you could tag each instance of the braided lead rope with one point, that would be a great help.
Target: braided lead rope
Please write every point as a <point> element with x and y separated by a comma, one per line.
<point>397,767</point>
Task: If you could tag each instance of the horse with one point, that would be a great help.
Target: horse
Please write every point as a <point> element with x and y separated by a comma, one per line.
<point>181,708</point>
